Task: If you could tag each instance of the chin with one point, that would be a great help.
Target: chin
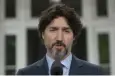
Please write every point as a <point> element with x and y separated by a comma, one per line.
<point>60,54</point>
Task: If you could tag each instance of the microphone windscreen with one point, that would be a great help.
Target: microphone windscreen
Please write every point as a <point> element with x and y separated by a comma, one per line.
<point>57,68</point>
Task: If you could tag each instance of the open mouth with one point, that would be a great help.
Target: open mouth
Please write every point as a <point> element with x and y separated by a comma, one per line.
<point>59,47</point>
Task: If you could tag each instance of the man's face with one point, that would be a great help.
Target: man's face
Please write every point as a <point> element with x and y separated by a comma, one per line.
<point>58,38</point>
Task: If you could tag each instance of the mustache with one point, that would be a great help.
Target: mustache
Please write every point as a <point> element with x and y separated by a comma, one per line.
<point>58,43</point>
<point>57,55</point>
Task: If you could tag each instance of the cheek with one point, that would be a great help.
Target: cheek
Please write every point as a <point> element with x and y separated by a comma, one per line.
<point>48,40</point>
<point>68,41</point>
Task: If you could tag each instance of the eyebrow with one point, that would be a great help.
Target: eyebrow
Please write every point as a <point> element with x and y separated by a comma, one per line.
<point>67,28</point>
<point>53,28</point>
<point>64,28</point>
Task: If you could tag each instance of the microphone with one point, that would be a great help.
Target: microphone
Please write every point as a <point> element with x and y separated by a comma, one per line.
<point>57,68</point>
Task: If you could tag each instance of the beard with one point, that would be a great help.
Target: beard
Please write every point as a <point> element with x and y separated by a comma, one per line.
<point>58,53</point>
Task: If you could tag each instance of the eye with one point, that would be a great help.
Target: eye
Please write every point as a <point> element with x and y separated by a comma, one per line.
<point>52,29</point>
<point>67,31</point>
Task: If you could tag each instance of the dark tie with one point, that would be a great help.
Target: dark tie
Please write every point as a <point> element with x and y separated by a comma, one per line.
<point>56,68</point>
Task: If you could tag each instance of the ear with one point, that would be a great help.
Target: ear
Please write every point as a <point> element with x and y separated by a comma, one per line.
<point>74,38</point>
<point>42,35</point>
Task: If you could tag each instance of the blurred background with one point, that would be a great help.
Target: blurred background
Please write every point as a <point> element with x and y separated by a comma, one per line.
<point>20,44</point>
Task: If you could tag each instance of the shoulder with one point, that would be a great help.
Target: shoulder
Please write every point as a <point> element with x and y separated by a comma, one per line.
<point>81,62</point>
<point>89,68</point>
<point>30,68</point>
<point>89,65</point>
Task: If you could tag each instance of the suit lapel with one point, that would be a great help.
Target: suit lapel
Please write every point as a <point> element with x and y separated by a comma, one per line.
<point>42,67</point>
<point>75,66</point>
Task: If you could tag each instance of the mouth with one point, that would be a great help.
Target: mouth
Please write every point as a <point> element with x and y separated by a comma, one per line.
<point>59,47</point>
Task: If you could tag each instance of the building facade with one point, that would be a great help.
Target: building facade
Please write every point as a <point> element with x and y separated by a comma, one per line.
<point>19,41</point>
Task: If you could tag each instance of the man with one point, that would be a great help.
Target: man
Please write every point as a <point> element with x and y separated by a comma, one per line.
<point>59,26</point>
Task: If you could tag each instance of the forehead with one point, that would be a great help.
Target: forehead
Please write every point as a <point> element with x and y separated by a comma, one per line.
<point>59,22</point>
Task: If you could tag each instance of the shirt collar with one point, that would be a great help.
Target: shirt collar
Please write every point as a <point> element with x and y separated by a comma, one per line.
<point>50,61</point>
<point>66,62</point>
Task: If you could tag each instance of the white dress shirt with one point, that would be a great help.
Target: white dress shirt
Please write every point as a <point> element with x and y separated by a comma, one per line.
<point>66,62</point>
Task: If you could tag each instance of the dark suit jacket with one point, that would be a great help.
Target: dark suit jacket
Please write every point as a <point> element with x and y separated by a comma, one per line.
<point>78,67</point>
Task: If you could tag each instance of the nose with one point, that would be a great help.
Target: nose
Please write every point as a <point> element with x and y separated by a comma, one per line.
<point>60,36</point>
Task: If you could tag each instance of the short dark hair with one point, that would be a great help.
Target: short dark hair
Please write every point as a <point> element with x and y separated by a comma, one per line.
<point>58,10</point>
